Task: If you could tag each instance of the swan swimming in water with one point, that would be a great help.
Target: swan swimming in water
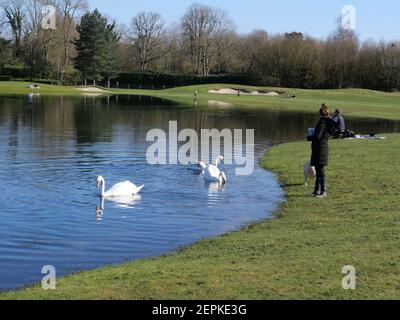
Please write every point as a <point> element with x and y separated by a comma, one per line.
<point>212,172</point>
<point>123,189</point>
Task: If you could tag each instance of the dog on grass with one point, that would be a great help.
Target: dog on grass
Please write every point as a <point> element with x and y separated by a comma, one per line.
<point>309,172</point>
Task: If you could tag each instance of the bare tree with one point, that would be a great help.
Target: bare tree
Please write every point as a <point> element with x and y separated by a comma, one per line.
<point>147,30</point>
<point>341,50</point>
<point>203,27</point>
<point>32,31</point>
<point>252,48</point>
<point>38,39</point>
<point>14,17</point>
<point>69,10</point>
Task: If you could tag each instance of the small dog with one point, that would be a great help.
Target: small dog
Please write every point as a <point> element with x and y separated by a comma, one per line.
<point>309,172</point>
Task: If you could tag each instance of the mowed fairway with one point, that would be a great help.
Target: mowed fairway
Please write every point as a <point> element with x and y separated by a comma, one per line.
<point>300,255</point>
<point>353,102</point>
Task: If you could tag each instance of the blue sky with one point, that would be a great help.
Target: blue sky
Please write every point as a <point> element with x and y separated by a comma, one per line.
<point>375,19</point>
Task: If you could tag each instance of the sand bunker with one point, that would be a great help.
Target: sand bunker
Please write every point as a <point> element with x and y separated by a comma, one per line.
<point>241,91</point>
<point>228,91</point>
<point>93,90</point>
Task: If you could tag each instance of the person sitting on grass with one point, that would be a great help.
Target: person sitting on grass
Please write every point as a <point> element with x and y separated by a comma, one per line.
<point>340,122</point>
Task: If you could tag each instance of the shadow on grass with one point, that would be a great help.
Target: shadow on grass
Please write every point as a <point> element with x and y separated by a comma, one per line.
<point>293,185</point>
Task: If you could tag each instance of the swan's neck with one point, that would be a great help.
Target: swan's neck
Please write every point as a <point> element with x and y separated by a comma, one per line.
<point>103,187</point>
<point>218,161</point>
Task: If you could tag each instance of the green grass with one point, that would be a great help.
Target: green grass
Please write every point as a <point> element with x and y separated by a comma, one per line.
<point>354,102</point>
<point>300,255</point>
<point>14,87</point>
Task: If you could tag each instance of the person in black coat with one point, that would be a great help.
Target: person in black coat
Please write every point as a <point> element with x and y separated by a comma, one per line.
<point>320,150</point>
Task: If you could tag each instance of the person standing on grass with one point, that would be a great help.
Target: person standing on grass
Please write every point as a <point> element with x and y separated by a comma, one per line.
<point>320,150</point>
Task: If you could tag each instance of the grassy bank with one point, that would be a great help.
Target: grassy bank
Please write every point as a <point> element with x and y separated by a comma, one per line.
<point>354,102</point>
<point>298,256</point>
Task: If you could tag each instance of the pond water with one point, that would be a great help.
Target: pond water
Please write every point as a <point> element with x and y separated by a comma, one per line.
<point>53,148</point>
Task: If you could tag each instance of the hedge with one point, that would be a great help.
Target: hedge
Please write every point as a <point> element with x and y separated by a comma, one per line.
<point>23,72</point>
<point>142,80</point>
<point>14,71</point>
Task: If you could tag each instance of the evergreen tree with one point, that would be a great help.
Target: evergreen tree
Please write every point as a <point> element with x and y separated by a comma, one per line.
<point>91,46</point>
<point>112,54</point>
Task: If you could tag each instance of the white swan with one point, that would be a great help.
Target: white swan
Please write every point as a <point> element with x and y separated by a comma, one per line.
<point>212,173</point>
<point>123,189</point>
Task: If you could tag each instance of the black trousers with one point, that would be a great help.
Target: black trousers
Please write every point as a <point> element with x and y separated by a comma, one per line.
<point>320,172</point>
<point>320,182</point>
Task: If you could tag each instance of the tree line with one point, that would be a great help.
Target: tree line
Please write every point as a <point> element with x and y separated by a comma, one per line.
<point>87,47</point>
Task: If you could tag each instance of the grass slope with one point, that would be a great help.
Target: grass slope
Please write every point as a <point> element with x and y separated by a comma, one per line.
<point>298,256</point>
<point>354,102</point>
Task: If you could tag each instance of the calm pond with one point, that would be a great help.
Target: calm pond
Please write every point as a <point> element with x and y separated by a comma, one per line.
<point>53,148</point>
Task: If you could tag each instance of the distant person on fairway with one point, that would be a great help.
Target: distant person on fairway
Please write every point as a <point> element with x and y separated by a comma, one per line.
<point>320,150</point>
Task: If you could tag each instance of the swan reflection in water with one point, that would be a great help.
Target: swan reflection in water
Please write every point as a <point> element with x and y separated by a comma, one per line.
<point>214,192</point>
<point>123,202</point>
